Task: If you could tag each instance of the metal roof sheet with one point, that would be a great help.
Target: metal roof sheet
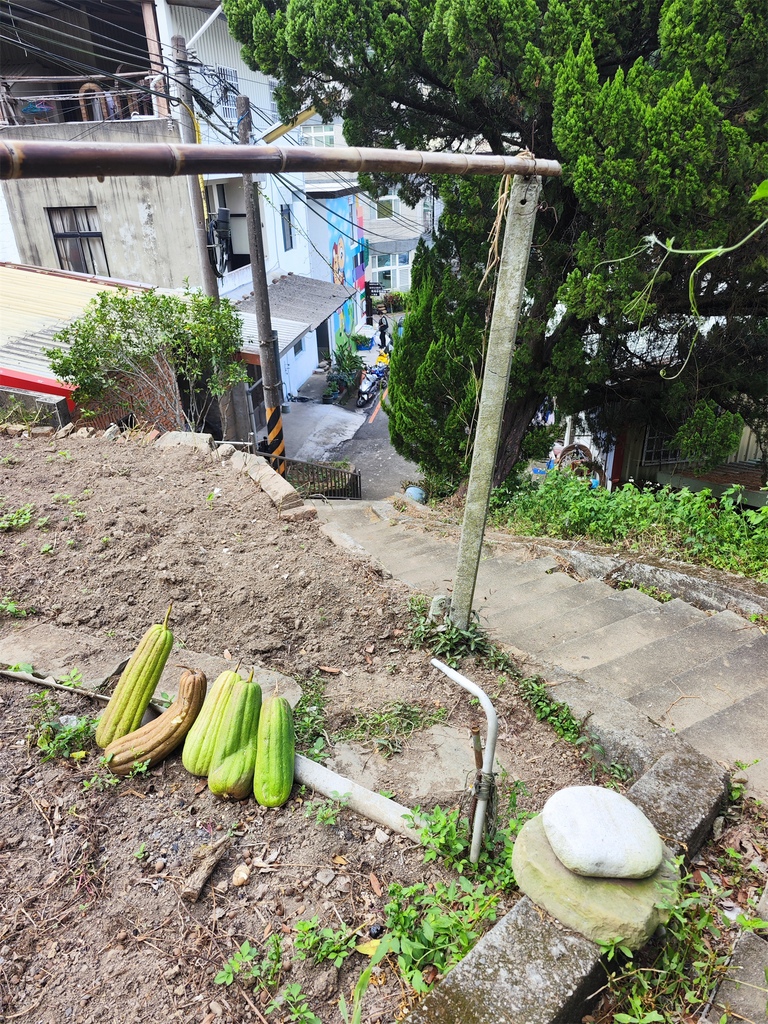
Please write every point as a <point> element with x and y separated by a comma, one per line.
<point>308,298</point>
<point>288,332</point>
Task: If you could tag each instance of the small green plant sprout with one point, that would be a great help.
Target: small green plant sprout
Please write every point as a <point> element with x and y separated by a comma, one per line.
<point>105,541</point>
<point>327,811</point>
<point>79,515</point>
<point>166,699</point>
<point>323,943</point>
<point>42,522</point>
<point>612,947</point>
<point>22,666</point>
<point>62,498</point>
<point>71,543</point>
<point>294,1003</point>
<point>72,678</point>
<point>13,608</point>
<point>387,793</point>
<point>141,853</point>
<point>46,549</point>
<point>140,768</point>
<point>213,496</point>
<point>17,519</point>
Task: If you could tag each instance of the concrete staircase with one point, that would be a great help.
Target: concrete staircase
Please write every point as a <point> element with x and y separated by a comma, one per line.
<point>703,675</point>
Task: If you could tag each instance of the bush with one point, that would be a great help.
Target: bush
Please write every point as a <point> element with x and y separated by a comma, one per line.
<point>126,346</point>
<point>693,526</point>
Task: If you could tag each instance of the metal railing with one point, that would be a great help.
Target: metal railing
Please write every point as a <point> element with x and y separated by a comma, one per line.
<point>314,478</point>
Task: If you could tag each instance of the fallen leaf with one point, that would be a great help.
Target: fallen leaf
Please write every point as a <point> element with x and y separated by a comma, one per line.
<point>267,931</point>
<point>368,948</point>
<point>430,974</point>
<point>375,884</point>
<point>132,792</point>
<point>398,632</point>
<point>368,661</point>
<point>227,655</point>
<point>203,784</point>
<point>332,671</point>
<point>338,859</point>
<point>370,649</point>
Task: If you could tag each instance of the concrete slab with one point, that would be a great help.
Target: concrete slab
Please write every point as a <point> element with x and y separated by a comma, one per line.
<point>620,638</point>
<point>55,651</point>
<point>436,763</point>
<point>527,969</point>
<point>213,667</point>
<point>330,425</point>
<point>669,656</point>
<point>186,439</point>
<point>738,733</point>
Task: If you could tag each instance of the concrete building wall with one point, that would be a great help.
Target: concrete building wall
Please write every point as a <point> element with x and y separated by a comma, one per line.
<point>296,366</point>
<point>9,250</point>
<point>146,222</point>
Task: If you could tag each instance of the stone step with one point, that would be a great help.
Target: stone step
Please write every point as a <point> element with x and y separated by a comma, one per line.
<point>622,637</point>
<point>500,574</point>
<point>671,655</point>
<point>490,600</point>
<point>518,618</point>
<point>737,733</point>
<point>723,682</point>
<point>584,615</point>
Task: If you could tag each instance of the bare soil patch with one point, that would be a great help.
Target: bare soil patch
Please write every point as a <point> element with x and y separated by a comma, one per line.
<point>93,927</point>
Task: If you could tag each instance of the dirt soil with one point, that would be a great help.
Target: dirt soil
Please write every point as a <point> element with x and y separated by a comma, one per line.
<point>93,926</point>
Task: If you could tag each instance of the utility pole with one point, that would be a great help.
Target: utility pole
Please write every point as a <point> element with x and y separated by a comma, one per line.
<point>510,288</point>
<point>268,349</point>
<point>188,134</point>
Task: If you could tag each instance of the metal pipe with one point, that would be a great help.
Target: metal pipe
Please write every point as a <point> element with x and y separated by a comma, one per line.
<point>52,159</point>
<point>490,749</point>
<point>205,26</point>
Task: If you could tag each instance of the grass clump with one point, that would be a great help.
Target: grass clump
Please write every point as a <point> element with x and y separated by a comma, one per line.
<point>691,526</point>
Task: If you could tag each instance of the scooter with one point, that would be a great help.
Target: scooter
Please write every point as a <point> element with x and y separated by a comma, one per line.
<point>371,383</point>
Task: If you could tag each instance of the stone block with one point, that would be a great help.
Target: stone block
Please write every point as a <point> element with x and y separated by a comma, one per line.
<point>527,969</point>
<point>599,833</point>
<point>282,494</point>
<point>65,431</point>
<point>225,451</point>
<point>599,908</point>
<point>85,432</point>
<point>111,432</point>
<point>299,515</point>
<point>41,432</point>
<point>682,794</point>
<point>185,439</point>
<point>237,462</point>
<point>742,996</point>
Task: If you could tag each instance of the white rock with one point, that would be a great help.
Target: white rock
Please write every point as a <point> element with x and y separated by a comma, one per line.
<point>600,833</point>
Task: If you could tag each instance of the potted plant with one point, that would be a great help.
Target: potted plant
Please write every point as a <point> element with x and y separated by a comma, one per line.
<point>329,395</point>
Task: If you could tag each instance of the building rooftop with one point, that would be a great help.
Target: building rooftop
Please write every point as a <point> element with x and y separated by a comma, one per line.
<point>303,299</point>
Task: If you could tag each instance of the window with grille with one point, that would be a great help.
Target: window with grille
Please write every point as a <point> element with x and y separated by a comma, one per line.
<point>285,217</point>
<point>659,447</point>
<point>78,240</point>
<point>318,135</point>
<point>229,90</point>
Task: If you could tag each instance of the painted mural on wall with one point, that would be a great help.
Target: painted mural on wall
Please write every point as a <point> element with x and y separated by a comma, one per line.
<point>345,234</point>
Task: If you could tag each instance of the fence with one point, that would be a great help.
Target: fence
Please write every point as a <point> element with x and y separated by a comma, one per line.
<point>314,478</point>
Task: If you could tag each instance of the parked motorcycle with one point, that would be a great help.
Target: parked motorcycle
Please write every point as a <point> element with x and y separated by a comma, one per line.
<point>371,384</point>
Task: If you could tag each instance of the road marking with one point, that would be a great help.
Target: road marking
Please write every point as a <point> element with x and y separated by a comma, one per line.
<point>378,406</point>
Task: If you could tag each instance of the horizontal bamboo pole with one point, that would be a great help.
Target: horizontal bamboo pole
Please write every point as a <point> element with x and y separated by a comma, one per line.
<point>50,159</point>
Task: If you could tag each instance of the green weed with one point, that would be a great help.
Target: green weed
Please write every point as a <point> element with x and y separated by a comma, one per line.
<point>391,721</point>
<point>58,735</point>
<point>17,519</point>
<point>326,811</point>
<point>309,718</point>
<point>323,943</point>
<point>14,609</point>
<point>293,1002</point>
<point>245,965</point>
<point>693,526</point>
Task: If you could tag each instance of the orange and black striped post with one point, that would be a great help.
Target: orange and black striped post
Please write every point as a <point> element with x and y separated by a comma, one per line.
<point>269,354</point>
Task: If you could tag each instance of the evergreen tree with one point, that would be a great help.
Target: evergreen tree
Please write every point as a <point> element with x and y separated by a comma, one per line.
<point>657,111</point>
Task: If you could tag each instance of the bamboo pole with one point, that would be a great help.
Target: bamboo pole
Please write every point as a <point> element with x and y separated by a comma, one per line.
<point>510,288</point>
<point>52,159</point>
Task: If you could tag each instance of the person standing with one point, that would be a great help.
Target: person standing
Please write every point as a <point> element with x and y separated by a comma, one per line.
<point>383,328</point>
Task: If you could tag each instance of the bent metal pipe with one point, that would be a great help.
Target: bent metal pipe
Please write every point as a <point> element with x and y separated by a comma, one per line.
<point>51,159</point>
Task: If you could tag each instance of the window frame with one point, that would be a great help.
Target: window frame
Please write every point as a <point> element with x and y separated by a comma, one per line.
<point>287,225</point>
<point>90,236</point>
<point>318,135</point>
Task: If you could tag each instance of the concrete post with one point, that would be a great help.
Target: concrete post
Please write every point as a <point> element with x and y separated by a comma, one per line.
<point>510,288</point>
<point>270,361</point>
<point>207,273</point>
